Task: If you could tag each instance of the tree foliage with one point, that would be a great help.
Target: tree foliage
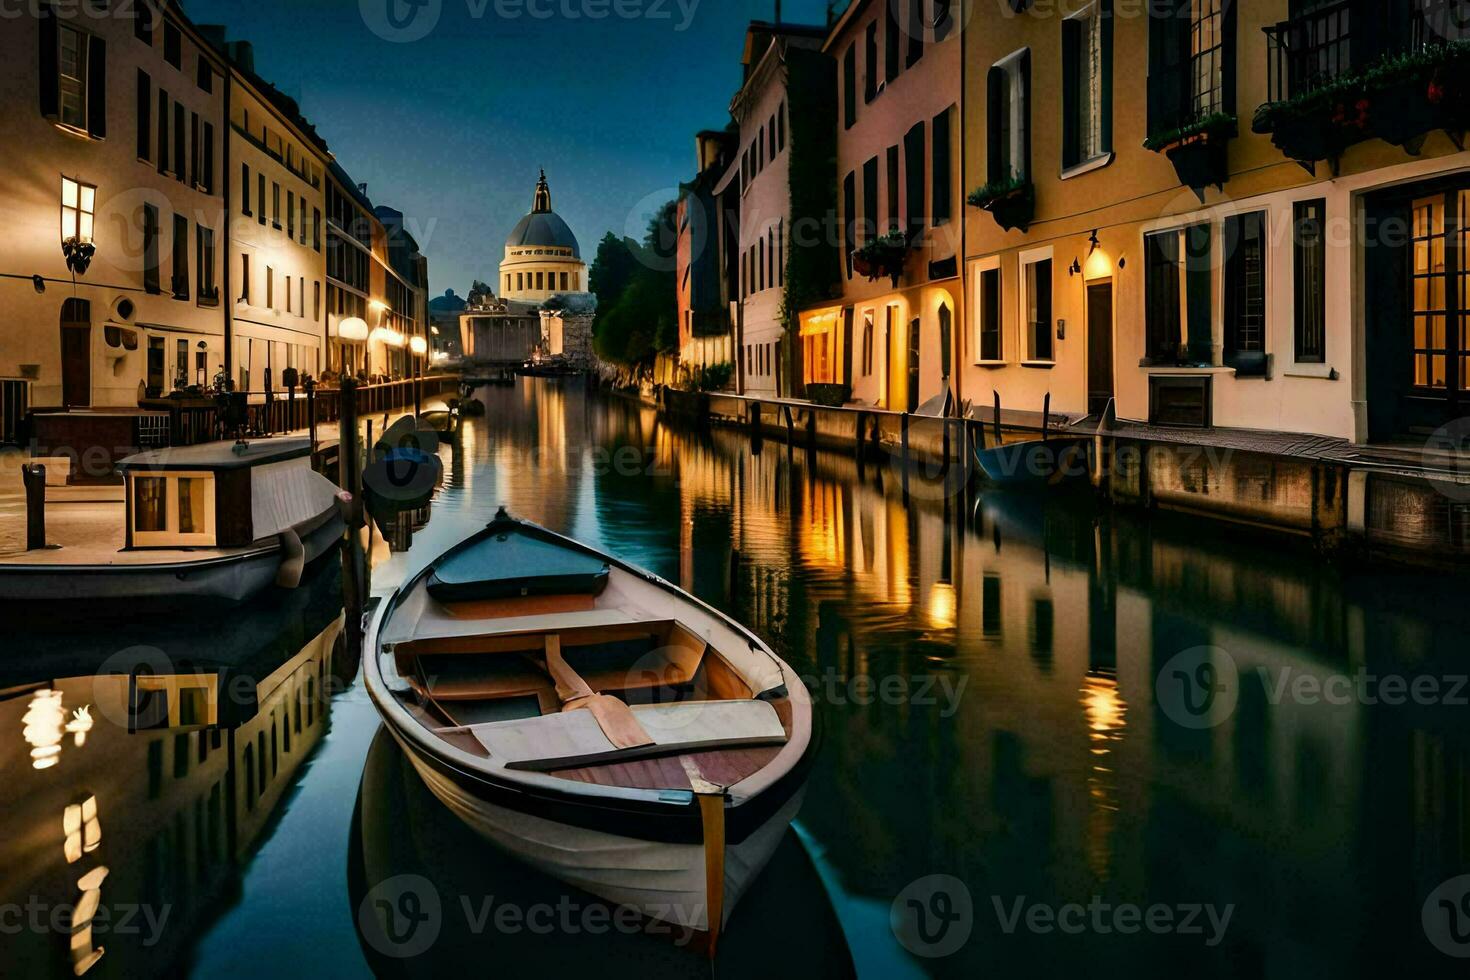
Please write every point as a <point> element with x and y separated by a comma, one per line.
<point>637,304</point>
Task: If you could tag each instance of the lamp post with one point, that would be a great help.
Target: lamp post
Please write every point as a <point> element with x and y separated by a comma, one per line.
<point>418,347</point>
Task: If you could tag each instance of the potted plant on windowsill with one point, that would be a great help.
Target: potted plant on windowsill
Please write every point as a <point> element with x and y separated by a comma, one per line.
<point>1011,201</point>
<point>1199,150</point>
<point>883,256</point>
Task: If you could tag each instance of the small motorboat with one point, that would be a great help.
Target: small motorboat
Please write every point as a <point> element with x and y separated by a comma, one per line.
<point>594,720</point>
<point>217,521</point>
<point>441,414</point>
<point>1049,459</point>
<point>404,471</point>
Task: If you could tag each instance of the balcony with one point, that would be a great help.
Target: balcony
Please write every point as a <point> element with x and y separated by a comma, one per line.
<point>1351,70</point>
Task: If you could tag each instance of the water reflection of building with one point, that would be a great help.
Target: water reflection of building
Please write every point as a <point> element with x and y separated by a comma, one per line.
<point>1059,774</point>
<point>144,820</point>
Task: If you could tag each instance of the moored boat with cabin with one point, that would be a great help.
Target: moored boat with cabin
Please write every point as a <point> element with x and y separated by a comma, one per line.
<point>218,522</point>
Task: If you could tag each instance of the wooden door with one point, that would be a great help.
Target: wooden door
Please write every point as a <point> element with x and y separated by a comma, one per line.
<point>76,353</point>
<point>1099,347</point>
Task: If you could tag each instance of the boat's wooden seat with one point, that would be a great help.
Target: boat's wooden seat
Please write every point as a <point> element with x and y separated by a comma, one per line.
<point>575,738</point>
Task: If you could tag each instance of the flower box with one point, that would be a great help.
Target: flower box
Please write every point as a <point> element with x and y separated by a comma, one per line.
<point>1012,203</point>
<point>1199,151</point>
<point>883,256</point>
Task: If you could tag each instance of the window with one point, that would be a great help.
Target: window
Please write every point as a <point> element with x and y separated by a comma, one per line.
<point>245,189</point>
<point>781,252</point>
<point>316,300</point>
<point>1037,279</point>
<point>1087,72</point>
<point>1008,118</point>
<point>915,32</point>
<point>173,509</point>
<point>205,259</point>
<point>181,139</point>
<point>78,210</point>
<point>173,46</point>
<point>988,315</point>
<point>72,77</point>
<point>760,265</point>
<point>143,22</point>
<point>771,256</point>
<point>1191,62</point>
<point>941,190</point>
<point>150,250</point>
<point>849,215</point>
<point>245,278</point>
<point>913,167</point>
<point>760,151</point>
<point>1309,220</point>
<point>781,128</point>
<point>290,214</point>
<point>205,76</point>
<point>771,141</point>
<point>1177,304</point>
<point>867,343</point>
<point>849,86</point>
<point>870,199</point>
<point>870,81</point>
<point>301,216</point>
<point>1245,292</point>
<point>891,40</point>
<point>270,288</point>
<point>260,197</point>
<point>195,176</point>
<point>290,295</point>
<point>145,116</point>
<point>891,214</point>
<point>276,206</point>
<point>181,257</point>
<point>207,185</point>
<point>316,228</point>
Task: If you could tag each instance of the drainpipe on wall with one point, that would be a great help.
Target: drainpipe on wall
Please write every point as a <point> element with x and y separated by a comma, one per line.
<point>227,297</point>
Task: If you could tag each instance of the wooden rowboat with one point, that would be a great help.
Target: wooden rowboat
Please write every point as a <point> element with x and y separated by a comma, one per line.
<point>594,720</point>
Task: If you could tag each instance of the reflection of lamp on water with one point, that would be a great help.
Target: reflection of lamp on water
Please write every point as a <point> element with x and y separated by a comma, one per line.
<point>82,828</point>
<point>1105,723</point>
<point>43,725</point>
<point>942,606</point>
<point>1105,709</point>
<point>83,955</point>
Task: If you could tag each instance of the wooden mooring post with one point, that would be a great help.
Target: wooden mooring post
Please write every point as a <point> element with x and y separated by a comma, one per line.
<point>33,476</point>
<point>355,572</point>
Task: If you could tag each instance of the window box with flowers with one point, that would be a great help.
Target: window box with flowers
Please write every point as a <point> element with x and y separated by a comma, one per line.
<point>1199,151</point>
<point>883,256</point>
<point>1011,202</point>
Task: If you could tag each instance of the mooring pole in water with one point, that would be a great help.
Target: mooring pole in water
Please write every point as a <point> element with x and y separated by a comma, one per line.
<point>903,430</point>
<point>310,387</point>
<point>349,470</point>
<point>33,475</point>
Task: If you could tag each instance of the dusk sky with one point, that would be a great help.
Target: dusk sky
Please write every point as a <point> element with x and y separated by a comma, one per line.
<point>451,127</point>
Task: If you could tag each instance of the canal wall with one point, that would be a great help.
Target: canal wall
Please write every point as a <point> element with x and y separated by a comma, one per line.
<point>1340,496</point>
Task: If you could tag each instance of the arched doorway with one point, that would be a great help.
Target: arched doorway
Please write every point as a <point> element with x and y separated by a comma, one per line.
<point>76,353</point>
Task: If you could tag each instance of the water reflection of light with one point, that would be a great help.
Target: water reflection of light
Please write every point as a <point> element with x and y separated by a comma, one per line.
<point>1105,711</point>
<point>84,955</point>
<point>80,725</point>
<point>82,828</point>
<point>1106,719</point>
<point>942,606</point>
<point>44,723</point>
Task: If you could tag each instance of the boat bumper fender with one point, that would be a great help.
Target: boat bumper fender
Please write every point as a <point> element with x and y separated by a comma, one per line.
<point>293,560</point>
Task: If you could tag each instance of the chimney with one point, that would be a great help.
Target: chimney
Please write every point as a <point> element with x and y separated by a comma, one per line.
<point>363,188</point>
<point>242,53</point>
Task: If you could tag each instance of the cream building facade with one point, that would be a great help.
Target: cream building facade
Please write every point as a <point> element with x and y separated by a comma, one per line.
<point>114,129</point>
<point>277,246</point>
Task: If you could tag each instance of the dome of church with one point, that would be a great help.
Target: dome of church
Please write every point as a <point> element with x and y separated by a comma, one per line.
<point>543,227</point>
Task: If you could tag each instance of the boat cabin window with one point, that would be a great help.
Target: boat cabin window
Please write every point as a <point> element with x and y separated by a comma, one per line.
<point>172,509</point>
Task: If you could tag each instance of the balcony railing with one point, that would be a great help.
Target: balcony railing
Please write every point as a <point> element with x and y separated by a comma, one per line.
<point>1310,51</point>
<point>1335,39</point>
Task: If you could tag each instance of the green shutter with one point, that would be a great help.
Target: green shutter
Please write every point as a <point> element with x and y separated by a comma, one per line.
<point>50,82</point>
<point>96,87</point>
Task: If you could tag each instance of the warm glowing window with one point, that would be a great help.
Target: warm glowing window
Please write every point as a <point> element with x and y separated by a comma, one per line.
<point>173,510</point>
<point>78,208</point>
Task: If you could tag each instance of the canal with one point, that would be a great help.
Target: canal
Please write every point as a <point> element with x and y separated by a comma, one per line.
<point>1056,738</point>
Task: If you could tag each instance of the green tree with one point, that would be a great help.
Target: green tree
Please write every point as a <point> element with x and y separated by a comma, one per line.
<point>637,302</point>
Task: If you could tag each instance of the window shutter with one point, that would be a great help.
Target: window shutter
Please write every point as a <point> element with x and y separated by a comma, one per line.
<point>1168,49</point>
<point>1071,50</point>
<point>50,82</point>
<point>1228,53</point>
<point>994,114</point>
<point>1025,134</point>
<point>145,115</point>
<point>209,157</point>
<point>913,146</point>
<point>97,87</point>
<point>1105,11</point>
<point>943,170</point>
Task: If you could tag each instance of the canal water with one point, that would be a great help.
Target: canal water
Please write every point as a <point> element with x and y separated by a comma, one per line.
<point>1056,739</point>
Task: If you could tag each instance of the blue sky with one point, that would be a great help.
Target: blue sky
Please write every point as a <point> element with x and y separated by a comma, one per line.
<point>451,127</point>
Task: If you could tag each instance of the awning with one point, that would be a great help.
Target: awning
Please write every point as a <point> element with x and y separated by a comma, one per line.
<point>817,322</point>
